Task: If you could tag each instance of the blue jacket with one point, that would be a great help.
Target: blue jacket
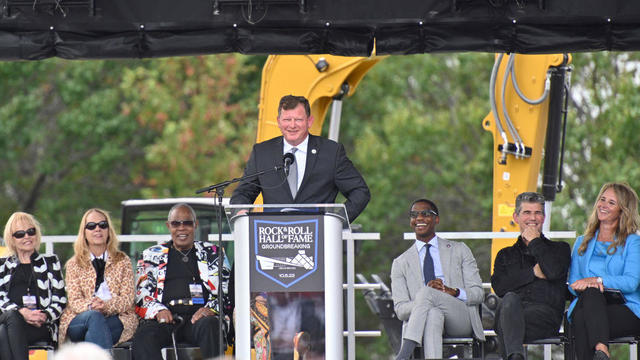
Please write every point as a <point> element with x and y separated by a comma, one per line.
<point>622,270</point>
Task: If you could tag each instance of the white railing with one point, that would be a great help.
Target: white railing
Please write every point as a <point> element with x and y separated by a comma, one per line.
<point>350,286</point>
<point>51,240</point>
<point>493,235</point>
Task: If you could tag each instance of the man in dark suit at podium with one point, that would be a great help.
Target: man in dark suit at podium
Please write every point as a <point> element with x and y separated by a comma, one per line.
<point>321,167</point>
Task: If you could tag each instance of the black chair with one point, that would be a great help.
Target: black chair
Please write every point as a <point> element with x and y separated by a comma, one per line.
<point>185,352</point>
<point>381,304</point>
<point>633,345</point>
<point>632,341</point>
<point>122,351</point>
<point>471,347</point>
<point>47,346</point>
<point>559,340</point>
<point>563,339</point>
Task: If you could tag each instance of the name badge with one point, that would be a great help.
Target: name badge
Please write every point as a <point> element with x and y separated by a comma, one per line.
<point>196,293</point>
<point>29,301</point>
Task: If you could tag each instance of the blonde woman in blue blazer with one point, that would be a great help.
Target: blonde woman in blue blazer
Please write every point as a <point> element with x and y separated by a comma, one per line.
<point>607,256</point>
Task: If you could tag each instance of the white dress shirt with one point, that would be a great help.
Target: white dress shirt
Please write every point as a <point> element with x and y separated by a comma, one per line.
<point>437,265</point>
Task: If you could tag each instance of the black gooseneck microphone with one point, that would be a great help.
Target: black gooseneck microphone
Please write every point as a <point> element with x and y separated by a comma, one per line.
<point>288,159</point>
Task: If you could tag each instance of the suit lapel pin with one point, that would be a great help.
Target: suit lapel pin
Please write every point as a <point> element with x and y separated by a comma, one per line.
<point>313,151</point>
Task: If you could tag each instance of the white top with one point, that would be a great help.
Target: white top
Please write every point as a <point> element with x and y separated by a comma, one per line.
<point>103,291</point>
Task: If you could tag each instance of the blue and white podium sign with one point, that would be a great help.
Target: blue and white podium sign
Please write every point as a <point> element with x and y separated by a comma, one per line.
<point>288,279</point>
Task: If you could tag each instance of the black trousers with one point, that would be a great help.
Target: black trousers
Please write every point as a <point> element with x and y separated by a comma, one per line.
<point>152,336</point>
<point>518,322</point>
<point>593,322</point>
<point>16,335</point>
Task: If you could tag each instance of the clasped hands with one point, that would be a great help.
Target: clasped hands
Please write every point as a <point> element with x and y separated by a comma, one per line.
<point>33,317</point>
<point>97,304</point>
<point>165,316</point>
<point>583,284</point>
<point>440,286</point>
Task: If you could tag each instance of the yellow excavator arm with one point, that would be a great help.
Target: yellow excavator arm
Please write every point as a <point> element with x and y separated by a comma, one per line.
<point>519,135</point>
<point>319,78</point>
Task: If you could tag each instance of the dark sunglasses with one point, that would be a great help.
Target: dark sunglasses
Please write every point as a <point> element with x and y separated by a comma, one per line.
<point>176,223</point>
<point>425,213</point>
<point>21,233</point>
<point>91,225</point>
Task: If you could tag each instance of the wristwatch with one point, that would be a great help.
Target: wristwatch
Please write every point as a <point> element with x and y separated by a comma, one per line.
<point>457,292</point>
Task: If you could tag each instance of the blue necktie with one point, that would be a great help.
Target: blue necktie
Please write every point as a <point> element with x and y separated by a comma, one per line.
<point>427,266</point>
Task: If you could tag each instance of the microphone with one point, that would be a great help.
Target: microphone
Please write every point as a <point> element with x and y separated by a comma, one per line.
<point>288,159</point>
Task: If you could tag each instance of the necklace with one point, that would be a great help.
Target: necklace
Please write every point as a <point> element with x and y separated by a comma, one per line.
<point>185,257</point>
<point>606,238</point>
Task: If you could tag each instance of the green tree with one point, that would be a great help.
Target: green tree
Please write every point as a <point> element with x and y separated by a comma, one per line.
<point>601,143</point>
<point>414,130</point>
<point>66,143</point>
<point>422,138</point>
<point>206,125</point>
<point>82,134</point>
<point>91,133</point>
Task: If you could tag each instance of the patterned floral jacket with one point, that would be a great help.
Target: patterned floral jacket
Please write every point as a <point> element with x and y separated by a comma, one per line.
<point>51,295</point>
<point>81,282</point>
<point>152,271</point>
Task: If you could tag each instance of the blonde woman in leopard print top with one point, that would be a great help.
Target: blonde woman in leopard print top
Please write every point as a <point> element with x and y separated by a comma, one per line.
<point>100,289</point>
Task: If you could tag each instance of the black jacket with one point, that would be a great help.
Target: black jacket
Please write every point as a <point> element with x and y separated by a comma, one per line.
<point>52,297</point>
<point>513,271</point>
<point>328,171</point>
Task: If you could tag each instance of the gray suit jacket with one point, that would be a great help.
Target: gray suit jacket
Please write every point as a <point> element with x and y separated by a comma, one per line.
<point>460,271</point>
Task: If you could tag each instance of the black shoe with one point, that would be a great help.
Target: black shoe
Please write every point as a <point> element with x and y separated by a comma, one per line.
<point>516,356</point>
<point>600,355</point>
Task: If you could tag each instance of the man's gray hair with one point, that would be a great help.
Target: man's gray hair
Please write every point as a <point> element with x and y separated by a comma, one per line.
<point>529,197</point>
<point>185,205</point>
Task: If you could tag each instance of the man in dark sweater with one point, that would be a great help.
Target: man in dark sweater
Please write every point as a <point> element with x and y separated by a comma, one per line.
<point>531,277</point>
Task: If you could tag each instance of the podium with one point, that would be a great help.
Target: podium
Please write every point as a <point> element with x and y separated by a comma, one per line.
<point>288,279</point>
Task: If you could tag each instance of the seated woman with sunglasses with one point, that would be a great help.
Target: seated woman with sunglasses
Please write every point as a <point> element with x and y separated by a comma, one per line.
<point>100,286</point>
<point>32,293</point>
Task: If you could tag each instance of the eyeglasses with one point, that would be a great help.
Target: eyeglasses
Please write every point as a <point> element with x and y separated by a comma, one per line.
<point>177,223</point>
<point>21,233</point>
<point>425,213</point>
<point>91,225</point>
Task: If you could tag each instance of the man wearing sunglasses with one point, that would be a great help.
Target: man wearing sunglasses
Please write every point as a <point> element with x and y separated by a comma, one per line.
<point>179,280</point>
<point>436,287</point>
<point>531,278</point>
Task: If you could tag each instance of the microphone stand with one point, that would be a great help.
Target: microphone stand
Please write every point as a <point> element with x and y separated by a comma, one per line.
<point>219,190</point>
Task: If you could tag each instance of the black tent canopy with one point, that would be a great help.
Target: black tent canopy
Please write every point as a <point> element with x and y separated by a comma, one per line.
<point>84,29</point>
